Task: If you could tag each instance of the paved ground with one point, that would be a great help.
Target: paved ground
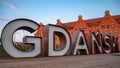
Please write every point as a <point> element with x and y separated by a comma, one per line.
<point>79,61</point>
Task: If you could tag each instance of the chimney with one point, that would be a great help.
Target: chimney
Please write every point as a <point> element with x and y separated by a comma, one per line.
<point>107,12</point>
<point>41,25</point>
<point>79,17</point>
<point>58,21</point>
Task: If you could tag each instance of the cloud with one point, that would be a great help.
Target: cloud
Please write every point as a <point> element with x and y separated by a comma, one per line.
<point>10,4</point>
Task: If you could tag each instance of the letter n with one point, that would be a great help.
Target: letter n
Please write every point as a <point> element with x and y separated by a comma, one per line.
<point>95,41</point>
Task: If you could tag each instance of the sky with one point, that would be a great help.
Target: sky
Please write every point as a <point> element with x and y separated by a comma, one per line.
<point>48,11</point>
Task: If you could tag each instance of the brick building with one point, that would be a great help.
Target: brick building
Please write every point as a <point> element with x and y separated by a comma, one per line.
<point>107,25</point>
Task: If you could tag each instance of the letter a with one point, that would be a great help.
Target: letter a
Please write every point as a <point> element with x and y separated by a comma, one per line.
<point>79,45</point>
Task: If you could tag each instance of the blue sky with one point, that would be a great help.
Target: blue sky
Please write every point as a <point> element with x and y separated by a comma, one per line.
<point>48,11</point>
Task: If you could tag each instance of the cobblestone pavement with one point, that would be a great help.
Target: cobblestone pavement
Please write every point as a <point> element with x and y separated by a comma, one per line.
<point>80,61</point>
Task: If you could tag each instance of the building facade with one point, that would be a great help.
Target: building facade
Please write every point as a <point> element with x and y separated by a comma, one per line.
<point>106,25</point>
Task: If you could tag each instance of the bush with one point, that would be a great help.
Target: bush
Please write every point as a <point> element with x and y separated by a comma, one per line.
<point>22,47</point>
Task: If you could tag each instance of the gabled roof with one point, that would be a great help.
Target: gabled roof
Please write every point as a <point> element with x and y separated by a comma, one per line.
<point>91,22</point>
<point>59,23</point>
<point>69,24</point>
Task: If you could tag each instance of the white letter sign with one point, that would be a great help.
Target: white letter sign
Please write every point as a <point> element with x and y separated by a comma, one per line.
<point>7,35</point>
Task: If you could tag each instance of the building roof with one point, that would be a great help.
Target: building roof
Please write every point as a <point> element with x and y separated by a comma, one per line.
<point>91,22</point>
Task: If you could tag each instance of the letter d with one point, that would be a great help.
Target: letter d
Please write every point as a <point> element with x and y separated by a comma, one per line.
<point>64,38</point>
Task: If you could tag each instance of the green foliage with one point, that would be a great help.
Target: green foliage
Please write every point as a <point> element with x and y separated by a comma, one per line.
<point>57,46</point>
<point>19,46</point>
<point>1,49</point>
<point>22,47</point>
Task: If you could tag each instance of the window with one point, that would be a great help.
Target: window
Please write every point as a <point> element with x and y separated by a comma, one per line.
<point>106,33</point>
<point>113,25</point>
<point>103,26</point>
<point>116,33</point>
<point>108,26</point>
<point>110,33</point>
<point>82,29</point>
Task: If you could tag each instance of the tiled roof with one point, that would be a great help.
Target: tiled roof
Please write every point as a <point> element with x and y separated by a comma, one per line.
<point>90,22</point>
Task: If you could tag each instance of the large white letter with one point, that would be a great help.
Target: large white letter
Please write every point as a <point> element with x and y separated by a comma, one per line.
<point>107,38</point>
<point>94,40</point>
<point>81,39</point>
<point>64,38</point>
<point>115,44</point>
<point>7,36</point>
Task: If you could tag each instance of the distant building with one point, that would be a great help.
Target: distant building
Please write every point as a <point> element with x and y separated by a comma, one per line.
<point>107,25</point>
